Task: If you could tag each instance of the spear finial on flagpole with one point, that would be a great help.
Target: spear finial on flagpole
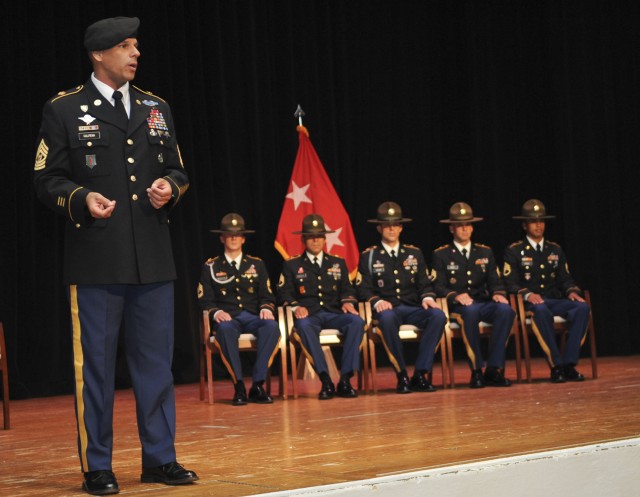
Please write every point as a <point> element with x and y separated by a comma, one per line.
<point>299,113</point>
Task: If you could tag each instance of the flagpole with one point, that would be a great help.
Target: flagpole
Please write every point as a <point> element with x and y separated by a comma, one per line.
<point>299,113</point>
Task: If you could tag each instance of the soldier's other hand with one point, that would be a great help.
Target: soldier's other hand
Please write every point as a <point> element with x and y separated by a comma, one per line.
<point>500,299</point>
<point>266,314</point>
<point>430,303</point>
<point>347,307</point>
<point>383,305</point>
<point>464,299</point>
<point>575,297</point>
<point>535,298</point>
<point>159,192</point>
<point>301,312</point>
<point>100,207</point>
<point>222,316</point>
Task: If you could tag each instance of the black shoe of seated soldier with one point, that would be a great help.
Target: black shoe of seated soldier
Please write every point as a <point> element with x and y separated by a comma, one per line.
<point>493,377</point>
<point>403,385</point>
<point>477,379</point>
<point>344,389</point>
<point>557,375</point>
<point>258,394</point>
<point>240,395</point>
<point>420,384</point>
<point>571,374</point>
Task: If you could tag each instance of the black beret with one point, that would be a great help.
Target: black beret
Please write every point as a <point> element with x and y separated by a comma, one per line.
<point>107,33</point>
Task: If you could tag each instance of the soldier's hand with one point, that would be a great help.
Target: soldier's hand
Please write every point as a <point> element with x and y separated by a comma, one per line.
<point>347,307</point>
<point>575,297</point>
<point>159,192</point>
<point>535,298</point>
<point>100,207</point>
<point>301,312</point>
<point>430,303</point>
<point>500,299</point>
<point>464,299</point>
<point>383,305</point>
<point>222,316</point>
<point>266,314</point>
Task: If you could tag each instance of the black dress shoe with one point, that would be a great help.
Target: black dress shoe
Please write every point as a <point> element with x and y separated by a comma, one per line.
<point>258,395</point>
<point>557,375</point>
<point>240,395</point>
<point>100,483</point>
<point>344,389</point>
<point>403,384</point>
<point>327,391</point>
<point>420,384</point>
<point>171,473</point>
<point>571,374</point>
<point>493,377</point>
<point>477,379</point>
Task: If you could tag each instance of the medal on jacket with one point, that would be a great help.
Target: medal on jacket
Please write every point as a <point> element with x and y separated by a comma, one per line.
<point>380,283</point>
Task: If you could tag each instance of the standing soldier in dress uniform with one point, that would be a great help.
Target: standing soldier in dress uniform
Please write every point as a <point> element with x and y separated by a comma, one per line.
<point>109,162</point>
<point>467,275</point>
<point>316,285</point>
<point>235,289</point>
<point>393,277</point>
<point>537,269</point>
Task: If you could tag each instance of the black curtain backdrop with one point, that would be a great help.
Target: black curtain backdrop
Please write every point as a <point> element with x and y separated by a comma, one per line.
<point>422,102</point>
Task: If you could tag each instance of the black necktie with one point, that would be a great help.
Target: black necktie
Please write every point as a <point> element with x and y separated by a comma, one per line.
<point>538,248</point>
<point>316,262</point>
<point>117,96</point>
<point>393,254</point>
<point>464,253</point>
<point>234,266</point>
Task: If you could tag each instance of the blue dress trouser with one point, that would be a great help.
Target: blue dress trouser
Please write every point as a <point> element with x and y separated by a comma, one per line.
<point>97,312</point>
<point>350,325</point>
<point>228,332</point>
<point>501,317</point>
<point>576,313</point>
<point>431,321</point>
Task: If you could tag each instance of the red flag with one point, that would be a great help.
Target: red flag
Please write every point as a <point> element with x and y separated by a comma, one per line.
<point>311,191</point>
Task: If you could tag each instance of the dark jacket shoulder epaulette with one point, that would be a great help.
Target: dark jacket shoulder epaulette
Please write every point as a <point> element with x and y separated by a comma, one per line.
<point>149,93</point>
<point>515,244</point>
<point>442,248</point>
<point>66,93</point>
<point>368,249</point>
<point>481,245</point>
<point>411,246</point>
<point>297,256</point>
<point>210,260</point>
<point>253,257</point>
<point>552,243</point>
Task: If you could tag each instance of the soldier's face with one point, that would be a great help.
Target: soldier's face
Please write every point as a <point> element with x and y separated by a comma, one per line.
<point>314,243</point>
<point>390,233</point>
<point>117,65</point>
<point>461,232</point>
<point>232,243</point>
<point>534,229</point>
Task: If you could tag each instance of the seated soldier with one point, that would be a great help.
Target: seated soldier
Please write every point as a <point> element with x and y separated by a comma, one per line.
<point>537,269</point>
<point>235,289</point>
<point>467,275</point>
<point>393,278</point>
<point>316,285</point>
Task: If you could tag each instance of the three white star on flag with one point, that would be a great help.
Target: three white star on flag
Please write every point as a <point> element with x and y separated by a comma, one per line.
<point>299,195</point>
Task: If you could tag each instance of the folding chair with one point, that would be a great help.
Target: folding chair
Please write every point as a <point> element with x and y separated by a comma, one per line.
<point>453,330</point>
<point>246,342</point>
<point>408,333</point>
<point>561,327</point>
<point>329,338</point>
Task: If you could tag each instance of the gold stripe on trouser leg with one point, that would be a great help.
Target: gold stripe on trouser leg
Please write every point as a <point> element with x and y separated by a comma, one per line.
<point>470,352</point>
<point>226,363</point>
<point>78,362</point>
<point>542,343</point>
<point>275,351</point>
<point>586,331</point>
<point>393,360</point>
<point>306,352</point>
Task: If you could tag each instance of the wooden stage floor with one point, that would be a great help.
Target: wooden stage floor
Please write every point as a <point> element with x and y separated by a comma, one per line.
<point>249,450</point>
